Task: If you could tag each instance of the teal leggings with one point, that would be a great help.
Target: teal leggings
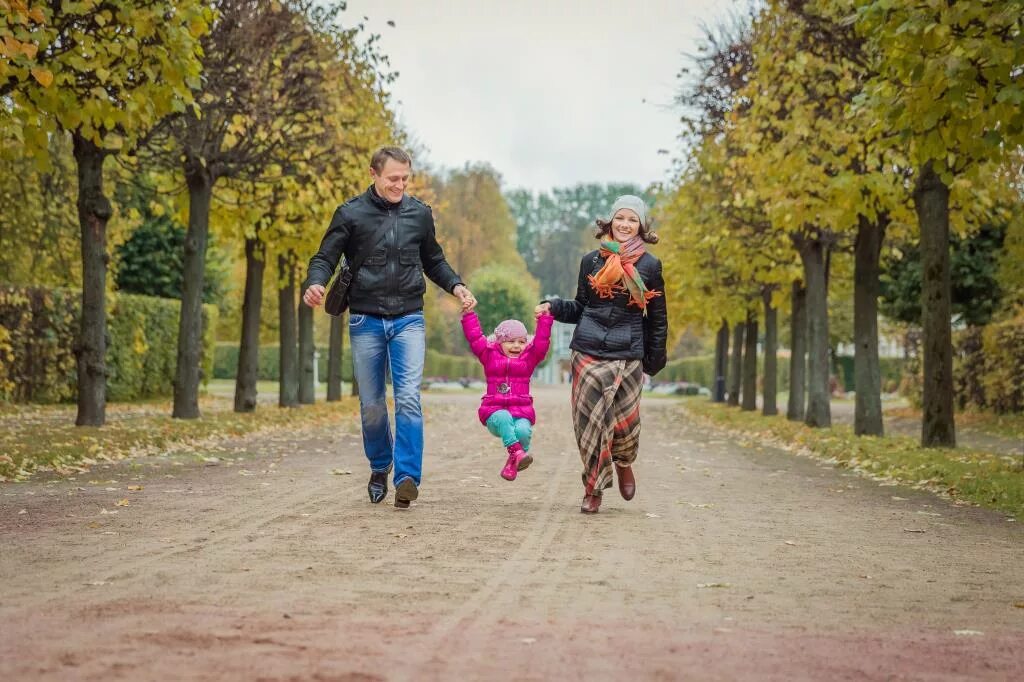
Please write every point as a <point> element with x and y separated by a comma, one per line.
<point>509,429</point>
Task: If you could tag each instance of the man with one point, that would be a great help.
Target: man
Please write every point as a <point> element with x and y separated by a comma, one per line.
<point>386,312</point>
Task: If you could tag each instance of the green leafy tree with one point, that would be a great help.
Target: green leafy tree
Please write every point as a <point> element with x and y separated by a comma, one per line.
<point>976,290</point>
<point>150,261</point>
<point>946,92</point>
<point>103,72</point>
<point>39,232</point>
<point>504,293</point>
<point>260,109</point>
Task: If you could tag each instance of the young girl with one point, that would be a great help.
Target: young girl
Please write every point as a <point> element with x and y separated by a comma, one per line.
<point>509,358</point>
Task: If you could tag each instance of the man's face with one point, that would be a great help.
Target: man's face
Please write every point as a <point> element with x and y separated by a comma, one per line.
<point>392,180</point>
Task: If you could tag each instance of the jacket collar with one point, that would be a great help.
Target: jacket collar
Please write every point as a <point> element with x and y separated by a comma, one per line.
<point>379,201</point>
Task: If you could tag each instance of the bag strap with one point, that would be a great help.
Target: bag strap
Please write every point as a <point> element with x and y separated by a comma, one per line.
<point>357,262</point>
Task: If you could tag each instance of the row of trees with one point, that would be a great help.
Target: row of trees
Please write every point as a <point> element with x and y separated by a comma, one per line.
<point>825,129</point>
<point>248,116</point>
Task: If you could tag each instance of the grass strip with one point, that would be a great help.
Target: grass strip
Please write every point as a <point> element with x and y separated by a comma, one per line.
<point>964,475</point>
<point>44,437</point>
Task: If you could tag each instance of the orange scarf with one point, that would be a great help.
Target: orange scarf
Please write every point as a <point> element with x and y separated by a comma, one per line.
<point>618,273</point>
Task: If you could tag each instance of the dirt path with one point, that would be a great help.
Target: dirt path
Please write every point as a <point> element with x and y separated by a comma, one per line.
<point>731,563</point>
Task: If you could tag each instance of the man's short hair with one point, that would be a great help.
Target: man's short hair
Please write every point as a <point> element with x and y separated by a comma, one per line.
<point>381,156</point>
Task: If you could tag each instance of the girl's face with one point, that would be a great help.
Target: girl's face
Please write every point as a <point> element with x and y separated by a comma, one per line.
<point>625,225</point>
<point>513,348</point>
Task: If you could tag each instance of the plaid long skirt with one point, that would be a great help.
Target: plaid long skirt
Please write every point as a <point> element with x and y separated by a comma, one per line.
<point>606,415</point>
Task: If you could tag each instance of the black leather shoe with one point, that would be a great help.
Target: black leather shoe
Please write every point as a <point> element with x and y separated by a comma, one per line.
<point>377,488</point>
<point>405,492</point>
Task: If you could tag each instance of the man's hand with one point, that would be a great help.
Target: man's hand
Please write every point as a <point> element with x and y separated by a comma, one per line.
<point>314,295</point>
<point>542,309</point>
<point>464,295</point>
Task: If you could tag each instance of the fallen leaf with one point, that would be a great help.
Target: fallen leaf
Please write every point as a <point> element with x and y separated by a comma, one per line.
<point>340,472</point>
<point>135,487</point>
<point>122,503</point>
<point>96,583</point>
<point>968,633</point>
<point>652,516</point>
<point>913,530</point>
<point>23,511</point>
<point>1019,605</point>
<point>713,585</point>
<point>790,542</point>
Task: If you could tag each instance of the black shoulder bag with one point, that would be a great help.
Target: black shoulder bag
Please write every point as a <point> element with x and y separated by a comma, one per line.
<point>337,296</point>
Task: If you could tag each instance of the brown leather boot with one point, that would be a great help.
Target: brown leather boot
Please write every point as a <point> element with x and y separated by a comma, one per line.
<point>627,484</point>
<point>591,504</point>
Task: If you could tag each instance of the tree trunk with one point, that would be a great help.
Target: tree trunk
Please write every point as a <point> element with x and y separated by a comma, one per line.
<point>336,351</point>
<point>249,348</point>
<point>750,364</point>
<point>867,376</point>
<point>931,198</point>
<point>307,350</point>
<point>94,211</point>
<point>190,322</point>
<point>819,413</point>
<point>769,385</point>
<point>736,364</point>
<point>798,356</point>
<point>288,392</point>
<point>721,363</point>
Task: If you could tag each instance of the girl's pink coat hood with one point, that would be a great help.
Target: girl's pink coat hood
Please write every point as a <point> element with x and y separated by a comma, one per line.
<point>499,368</point>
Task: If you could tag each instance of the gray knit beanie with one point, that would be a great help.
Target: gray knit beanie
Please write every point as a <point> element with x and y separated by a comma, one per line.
<point>633,203</point>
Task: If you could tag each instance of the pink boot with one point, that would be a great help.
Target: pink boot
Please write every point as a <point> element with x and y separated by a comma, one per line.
<point>518,459</point>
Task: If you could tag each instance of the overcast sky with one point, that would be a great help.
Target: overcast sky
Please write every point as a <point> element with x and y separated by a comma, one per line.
<point>549,92</point>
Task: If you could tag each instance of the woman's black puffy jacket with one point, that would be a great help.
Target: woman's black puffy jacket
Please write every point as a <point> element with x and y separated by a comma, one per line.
<point>609,328</point>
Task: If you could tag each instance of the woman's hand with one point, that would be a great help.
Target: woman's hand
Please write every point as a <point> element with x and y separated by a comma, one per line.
<point>543,309</point>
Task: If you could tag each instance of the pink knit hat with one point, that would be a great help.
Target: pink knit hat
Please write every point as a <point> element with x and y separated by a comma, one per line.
<point>509,330</point>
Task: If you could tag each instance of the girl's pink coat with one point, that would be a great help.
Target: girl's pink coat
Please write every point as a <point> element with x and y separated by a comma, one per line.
<point>499,368</point>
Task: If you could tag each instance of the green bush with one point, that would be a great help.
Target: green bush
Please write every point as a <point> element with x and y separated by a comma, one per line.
<point>39,327</point>
<point>1003,352</point>
<point>988,368</point>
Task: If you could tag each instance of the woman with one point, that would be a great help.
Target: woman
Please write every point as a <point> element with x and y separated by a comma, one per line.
<point>621,328</point>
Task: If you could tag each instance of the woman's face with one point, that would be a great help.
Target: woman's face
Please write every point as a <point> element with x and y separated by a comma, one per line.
<point>625,225</point>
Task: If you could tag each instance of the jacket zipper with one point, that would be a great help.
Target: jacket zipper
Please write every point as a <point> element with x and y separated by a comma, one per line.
<point>392,284</point>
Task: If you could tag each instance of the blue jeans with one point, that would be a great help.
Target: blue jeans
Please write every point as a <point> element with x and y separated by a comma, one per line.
<point>398,343</point>
<point>503,425</point>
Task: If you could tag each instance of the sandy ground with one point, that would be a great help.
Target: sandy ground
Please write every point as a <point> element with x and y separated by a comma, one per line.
<point>732,562</point>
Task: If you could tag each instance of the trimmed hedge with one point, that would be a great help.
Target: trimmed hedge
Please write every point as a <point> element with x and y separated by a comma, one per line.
<point>38,328</point>
<point>701,370</point>
<point>225,364</point>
